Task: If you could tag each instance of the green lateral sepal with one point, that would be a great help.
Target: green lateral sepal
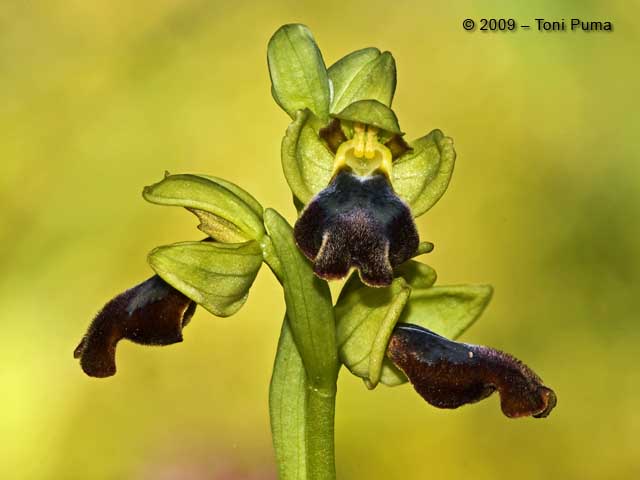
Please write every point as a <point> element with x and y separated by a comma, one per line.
<point>217,276</point>
<point>421,175</point>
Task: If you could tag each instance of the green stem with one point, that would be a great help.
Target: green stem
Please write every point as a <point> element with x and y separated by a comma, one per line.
<point>320,416</point>
<point>302,418</point>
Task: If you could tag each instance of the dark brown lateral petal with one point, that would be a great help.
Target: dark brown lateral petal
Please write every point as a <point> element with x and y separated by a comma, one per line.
<point>357,222</point>
<point>398,146</point>
<point>449,374</point>
<point>333,135</point>
<point>151,313</point>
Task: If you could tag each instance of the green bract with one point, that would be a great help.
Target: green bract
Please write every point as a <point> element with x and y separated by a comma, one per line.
<point>365,319</point>
<point>358,88</point>
<point>308,304</point>
<point>288,393</point>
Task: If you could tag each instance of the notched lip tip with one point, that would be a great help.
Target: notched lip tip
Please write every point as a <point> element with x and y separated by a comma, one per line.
<point>551,402</point>
<point>340,276</point>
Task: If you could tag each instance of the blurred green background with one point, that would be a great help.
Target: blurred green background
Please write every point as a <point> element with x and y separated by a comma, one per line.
<point>100,98</point>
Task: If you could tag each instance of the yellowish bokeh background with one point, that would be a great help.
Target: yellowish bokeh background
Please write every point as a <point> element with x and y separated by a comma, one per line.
<point>100,98</point>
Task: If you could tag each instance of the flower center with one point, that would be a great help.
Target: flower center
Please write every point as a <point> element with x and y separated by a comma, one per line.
<point>364,154</point>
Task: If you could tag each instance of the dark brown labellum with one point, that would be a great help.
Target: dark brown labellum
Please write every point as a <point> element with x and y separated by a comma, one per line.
<point>151,313</point>
<point>449,374</point>
<point>357,222</point>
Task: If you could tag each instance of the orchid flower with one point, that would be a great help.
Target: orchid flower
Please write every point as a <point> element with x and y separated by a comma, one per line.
<point>357,187</point>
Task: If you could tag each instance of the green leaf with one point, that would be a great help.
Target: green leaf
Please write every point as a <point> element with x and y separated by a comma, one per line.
<point>371,112</point>
<point>365,320</point>
<point>309,307</point>
<point>363,75</point>
<point>306,161</point>
<point>298,74</point>
<point>287,409</point>
<point>227,212</point>
<point>446,310</point>
<point>215,275</point>
<point>422,175</point>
